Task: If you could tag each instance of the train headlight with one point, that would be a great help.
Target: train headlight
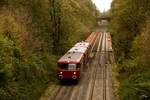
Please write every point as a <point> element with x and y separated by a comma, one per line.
<point>61,72</point>
<point>74,72</point>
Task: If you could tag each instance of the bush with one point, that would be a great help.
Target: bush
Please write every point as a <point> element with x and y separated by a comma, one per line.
<point>136,86</point>
<point>23,77</point>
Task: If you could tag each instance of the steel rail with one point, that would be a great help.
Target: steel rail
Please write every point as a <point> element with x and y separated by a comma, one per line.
<point>104,72</point>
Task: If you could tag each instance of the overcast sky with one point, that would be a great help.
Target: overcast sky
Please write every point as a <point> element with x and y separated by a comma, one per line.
<point>103,4</point>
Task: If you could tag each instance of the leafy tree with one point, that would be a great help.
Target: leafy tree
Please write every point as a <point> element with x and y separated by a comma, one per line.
<point>130,30</point>
<point>33,34</point>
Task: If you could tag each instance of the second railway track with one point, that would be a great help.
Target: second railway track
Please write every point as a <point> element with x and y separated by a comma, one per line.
<point>96,65</point>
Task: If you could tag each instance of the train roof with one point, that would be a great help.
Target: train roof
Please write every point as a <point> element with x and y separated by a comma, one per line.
<point>78,49</point>
<point>71,57</point>
<point>82,44</point>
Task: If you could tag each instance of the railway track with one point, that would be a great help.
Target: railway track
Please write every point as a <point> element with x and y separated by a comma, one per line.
<point>59,93</point>
<point>94,81</point>
<point>101,59</point>
<point>97,64</point>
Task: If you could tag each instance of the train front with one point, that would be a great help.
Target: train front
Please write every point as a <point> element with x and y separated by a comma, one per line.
<point>69,67</point>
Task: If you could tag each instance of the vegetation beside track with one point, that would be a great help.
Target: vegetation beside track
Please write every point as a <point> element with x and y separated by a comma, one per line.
<point>130,31</point>
<point>33,34</point>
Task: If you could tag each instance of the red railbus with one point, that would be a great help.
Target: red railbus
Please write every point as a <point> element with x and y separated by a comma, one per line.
<point>70,65</point>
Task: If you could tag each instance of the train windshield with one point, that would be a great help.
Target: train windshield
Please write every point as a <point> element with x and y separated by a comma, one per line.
<point>72,66</point>
<point>67,66</point>
<point>63,66</point>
